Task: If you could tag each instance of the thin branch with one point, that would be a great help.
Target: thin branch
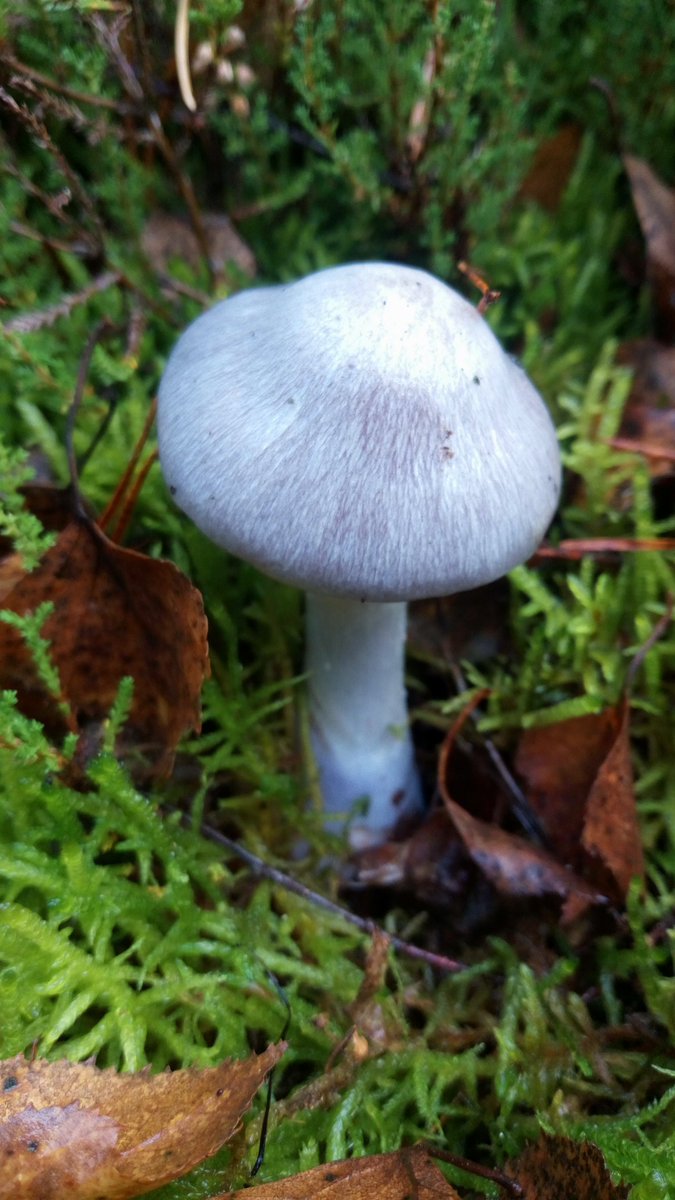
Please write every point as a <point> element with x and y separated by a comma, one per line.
<point>42,319</point>
<point>54,204</point>
<point>43,138</point>
<point>265,871</point>
<point>81,248</point>
<point>96,128</point>
<point>506,1182</point>
<point>116,106</point>
<point>100,331</point>
<point>573,549</point>
<point>109,39</point>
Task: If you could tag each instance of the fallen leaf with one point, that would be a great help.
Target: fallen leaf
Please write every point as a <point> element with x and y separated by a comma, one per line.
<point>558,1168</point>
<point>53,1148</point>
<point>580,785</point>
<point>402,1175</point>
<point>611,833</point>
<point>655,206</point>
<point>70,1129</point>
<point>551,168</point>
<point>166,238</point>
<point>559,764</point>
<point>116,613</point>
<point>649,415</point>
<point>514,866</point>
<point>431,864</point>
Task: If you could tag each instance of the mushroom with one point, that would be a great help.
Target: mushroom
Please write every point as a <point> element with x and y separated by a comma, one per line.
<point>361,434</point>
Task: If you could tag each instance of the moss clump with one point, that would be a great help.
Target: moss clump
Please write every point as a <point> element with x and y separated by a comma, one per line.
<point>358,130</point>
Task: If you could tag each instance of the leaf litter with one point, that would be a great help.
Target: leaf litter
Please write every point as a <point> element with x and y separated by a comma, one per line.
<point>72,1129</point>
<point>114,613</point>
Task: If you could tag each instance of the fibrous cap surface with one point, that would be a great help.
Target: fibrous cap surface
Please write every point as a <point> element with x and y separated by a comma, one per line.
<point>360,432</point>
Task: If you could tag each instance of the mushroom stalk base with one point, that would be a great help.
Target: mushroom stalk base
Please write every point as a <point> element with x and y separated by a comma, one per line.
<point>358,713</point>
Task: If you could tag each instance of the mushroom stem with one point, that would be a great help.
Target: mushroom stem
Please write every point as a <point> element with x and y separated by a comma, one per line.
<point>358,712</point>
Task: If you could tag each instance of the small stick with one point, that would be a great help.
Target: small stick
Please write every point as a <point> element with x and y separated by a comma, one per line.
<point>299,889</point>
<point>62,90</point>
<point>488,295</point>
<point>646,449</point>
<point>29,322</point>
<point>507,1182</point>
<point>100,331</point>
<point>573,549</point>
<point>117,534</point>
<point>123,486</point>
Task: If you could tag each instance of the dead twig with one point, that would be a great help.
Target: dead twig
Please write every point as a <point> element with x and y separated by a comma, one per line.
<point>488,295</point>
<point>266,871</point>
<point>41,134</point>
<point>61,89</point>
<point>81,248</point>
<point>109,38</point>
<point>43,318</point>
<point>506,1182</point>
<point>573,549</point>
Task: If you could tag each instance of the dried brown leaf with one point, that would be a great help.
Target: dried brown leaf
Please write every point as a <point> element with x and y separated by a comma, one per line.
<point>166,238</point>
<point>611,834</point>
<point>70,1129</point>
<point>404,1175</point>
<point>116,613</point>
<point>559,764</point>
<point>649,415</point>
<point>557,1168</point>
<point>552,167</point>
<point>513,866</point>
<point>580,784</point>
<point>655,206</point>
<point>431,864</point>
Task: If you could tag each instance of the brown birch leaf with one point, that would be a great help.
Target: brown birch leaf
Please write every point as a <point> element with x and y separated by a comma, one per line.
<point>70,1129</point>
<point>403,1175</point>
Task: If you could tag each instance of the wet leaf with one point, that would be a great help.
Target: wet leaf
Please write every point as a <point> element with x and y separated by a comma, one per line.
<point>655,207</point>
<point>70,1129</point>
<point>557,1168</point>
<point>404,1175</point>
<point>116,613</point>
<point>580,784</point>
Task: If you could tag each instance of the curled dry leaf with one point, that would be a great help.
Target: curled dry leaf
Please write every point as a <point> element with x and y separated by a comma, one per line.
<point>648,423</point>
<point>655,206</point>
<point>557,1168</point>
<point>68,1129</point>
<point>399,1176</point>
<point>116,613</point>
<point>580,784</point>
<point>513,866</point>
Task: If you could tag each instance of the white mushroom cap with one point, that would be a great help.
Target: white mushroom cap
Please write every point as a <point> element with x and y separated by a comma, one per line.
<point>360,432</point>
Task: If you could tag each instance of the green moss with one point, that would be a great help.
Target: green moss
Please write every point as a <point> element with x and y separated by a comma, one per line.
<point>124,933</point>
